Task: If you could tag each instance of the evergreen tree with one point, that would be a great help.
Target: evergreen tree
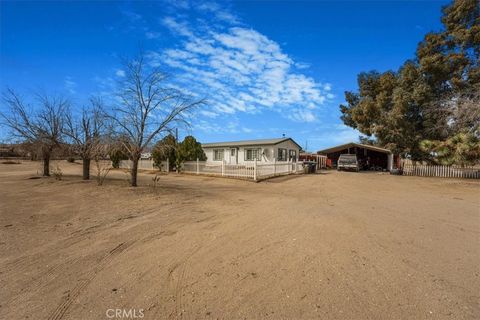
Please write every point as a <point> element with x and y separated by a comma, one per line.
<point>424,99</point>
<point>165,149</point>
<point>190,150</point>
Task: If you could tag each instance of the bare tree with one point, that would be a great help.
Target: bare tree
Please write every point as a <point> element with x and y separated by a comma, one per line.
<point>41,126</point>
<point>148,108</point>
<point>99,153</point>
<point>452,114</point>
<point>86,131</point>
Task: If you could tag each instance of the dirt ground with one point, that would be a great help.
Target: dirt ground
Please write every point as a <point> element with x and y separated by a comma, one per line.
<point>330,246</point>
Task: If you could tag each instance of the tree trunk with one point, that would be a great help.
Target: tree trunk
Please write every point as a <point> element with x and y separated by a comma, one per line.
<point>134,171</point>
<point>46,166</point>
<point>86,169</point>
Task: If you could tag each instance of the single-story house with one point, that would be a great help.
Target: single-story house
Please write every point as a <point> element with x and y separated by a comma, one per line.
<point>146,156</point>
<point>369,156</point>
<point>263,150</point>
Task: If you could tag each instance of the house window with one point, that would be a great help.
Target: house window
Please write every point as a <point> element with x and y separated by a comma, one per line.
<point>282,154</point>
<point>232,152</point>
<point>218,154</point>
<point>293,155</point>
<point>252,154</point>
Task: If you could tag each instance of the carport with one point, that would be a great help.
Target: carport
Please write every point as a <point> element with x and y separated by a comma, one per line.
<point>370,157</point>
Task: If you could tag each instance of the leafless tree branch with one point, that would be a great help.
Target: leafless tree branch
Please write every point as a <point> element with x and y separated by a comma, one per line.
<point>87,131</point>
<point>148,107</point>
<point>41,126</point>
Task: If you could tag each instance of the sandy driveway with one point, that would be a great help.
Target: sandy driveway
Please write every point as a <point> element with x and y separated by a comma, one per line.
<point>329,246</point>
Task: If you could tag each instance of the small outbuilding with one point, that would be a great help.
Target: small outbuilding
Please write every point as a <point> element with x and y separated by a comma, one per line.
<point>369,157</point>
<point>320,160</point>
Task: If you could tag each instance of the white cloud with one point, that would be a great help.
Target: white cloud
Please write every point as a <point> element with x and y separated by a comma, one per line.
<point>106,87</point>
<point>178,27</point>
<point>70,85</point>
<point>220,13</point>
<point>241,70</point>
<point>302,65</point>
<point>120,73</point>
<point>236,68</point>
<point>182,4</point>
<point>302,115</point>
<point>209,114</point>
<point>132,16</point>
<point>152,35</point>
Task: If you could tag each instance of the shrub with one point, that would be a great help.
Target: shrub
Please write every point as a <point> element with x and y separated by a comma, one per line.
<point>57,173</point>
<point>163,150</point>
<point>116,155</point>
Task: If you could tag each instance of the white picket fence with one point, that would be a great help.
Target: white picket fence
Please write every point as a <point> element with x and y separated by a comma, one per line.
<point>252,171</point>
<point>144,164</point>
<point>441,171</point>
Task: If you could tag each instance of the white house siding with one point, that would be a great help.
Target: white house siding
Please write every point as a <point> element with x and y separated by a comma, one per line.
<point>289,145</point>
<point>271,152</point>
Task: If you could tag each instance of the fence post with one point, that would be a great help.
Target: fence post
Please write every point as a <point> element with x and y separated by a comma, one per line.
<point>274,166</point>
<point>168,166</point>
<point>198,167</point>
<point>223,168</point>
<point>255,170</point>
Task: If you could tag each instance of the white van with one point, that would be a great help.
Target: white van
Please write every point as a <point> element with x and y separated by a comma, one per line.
<point>348,162</point>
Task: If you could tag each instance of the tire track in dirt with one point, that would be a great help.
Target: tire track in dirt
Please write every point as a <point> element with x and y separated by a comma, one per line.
<point>177,284</point>
<point>23,263</point>
<point>62,308</point>
<point>41,280</point>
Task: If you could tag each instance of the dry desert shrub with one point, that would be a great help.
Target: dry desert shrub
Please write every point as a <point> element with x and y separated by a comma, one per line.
<point>57,172</point>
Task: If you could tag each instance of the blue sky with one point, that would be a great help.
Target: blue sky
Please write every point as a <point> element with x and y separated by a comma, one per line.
<point>267,68</point>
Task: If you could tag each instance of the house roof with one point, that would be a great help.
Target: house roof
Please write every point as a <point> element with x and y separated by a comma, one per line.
<point>353,144</point>
<point>242,143</point>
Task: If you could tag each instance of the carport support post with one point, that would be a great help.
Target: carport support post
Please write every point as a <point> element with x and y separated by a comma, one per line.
<point>255,170</point>
<point>198,167</point>
<point>390,162</point>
